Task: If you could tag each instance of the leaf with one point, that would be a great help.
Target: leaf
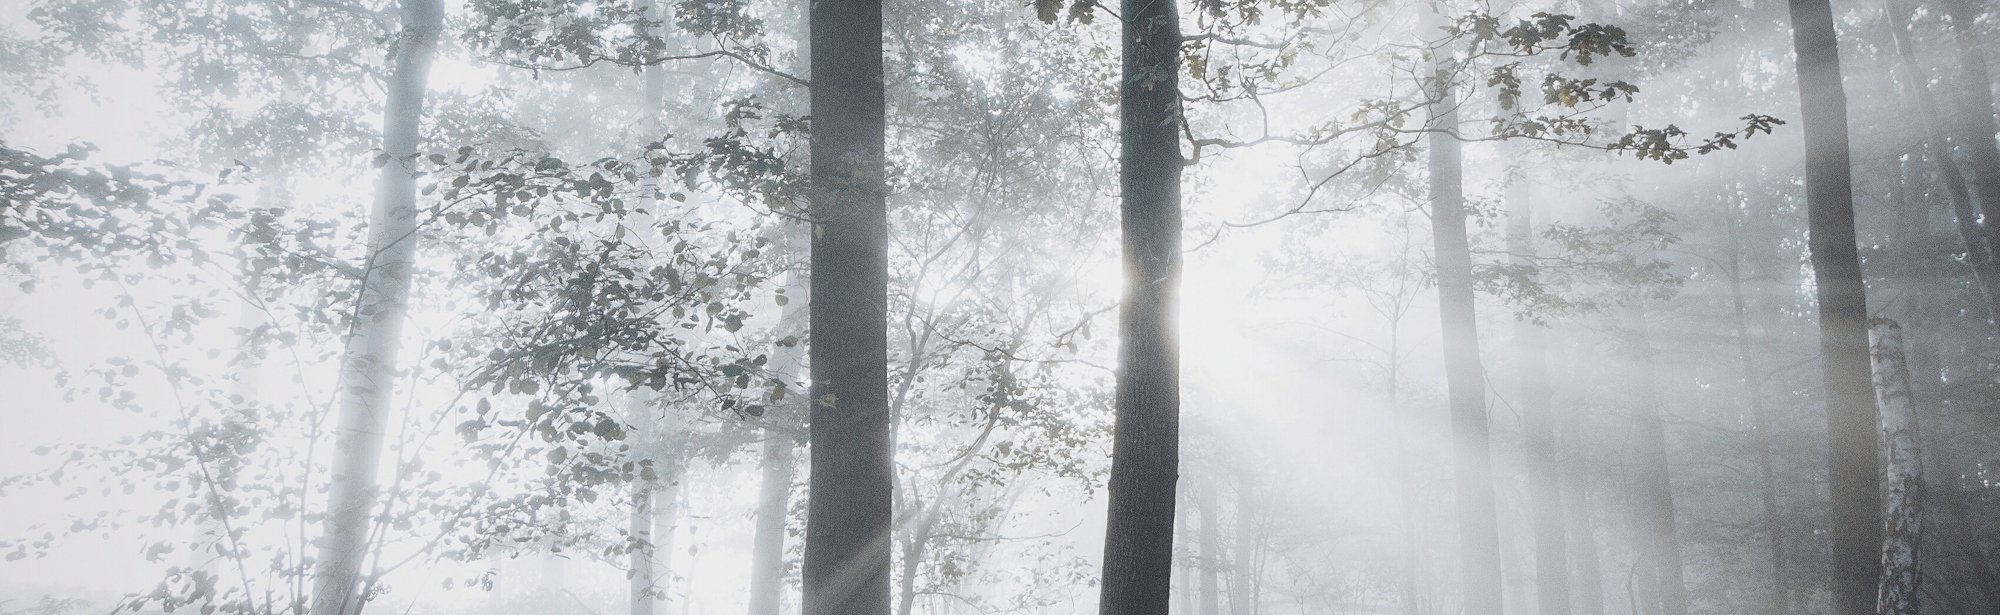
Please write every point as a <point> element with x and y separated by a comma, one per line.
<point>1048,10</point>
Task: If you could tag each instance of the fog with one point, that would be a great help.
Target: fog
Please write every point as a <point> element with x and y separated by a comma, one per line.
<point>496,307</point>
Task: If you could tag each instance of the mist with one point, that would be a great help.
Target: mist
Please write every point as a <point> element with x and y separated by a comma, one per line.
<point>843,307</point>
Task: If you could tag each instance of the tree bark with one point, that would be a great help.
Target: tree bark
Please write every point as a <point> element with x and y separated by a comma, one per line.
<point>1904,523</point>
<point>1537,421</point>
<point>846,569</point>
<point>1773,524</point>
<point>1852,468</point>
<point>1478,523</point>
<point>368,362</point>
<point>1145,454</point>
<point>1659,537</point>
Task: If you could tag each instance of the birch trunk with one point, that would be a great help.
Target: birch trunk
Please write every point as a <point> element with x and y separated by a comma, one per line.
<point>1903,525</point>
<point>368,362</point>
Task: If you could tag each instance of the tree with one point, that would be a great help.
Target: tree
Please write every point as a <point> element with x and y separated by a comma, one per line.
<point>1900,581</point>
<point>368,365</point>
<point>1659,547</point>
<point>1472,452</point>
<point>1538,420</point>
<point>1852,468</point>
<point>848,514</point>
<point>1145,457</point>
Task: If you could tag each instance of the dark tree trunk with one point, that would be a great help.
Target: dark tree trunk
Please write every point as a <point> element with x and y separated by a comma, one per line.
<point>1544,467</point>
<point>846,570</point>
<point>368,363</point>
<point>1904,529</point>
<point>1145,455</point>
<point>1472,455</point>
<point>1853,472</point>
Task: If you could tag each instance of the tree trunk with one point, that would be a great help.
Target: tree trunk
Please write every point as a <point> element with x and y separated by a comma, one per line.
<point>846,569</point>
<point>1904,523</point>
<point>639,575</point>
<point>1211,547</point>
<point>767,555</point>
<point>1975,116</point>
<point>1243,572</point>
<point>1478,523</point>
<point>1773,524</point>
<point>1852,469</point>
<point>368,362</point>
<point>666,525</point>
<point>1981,238</point>
<point>780,423</point>
<point>1583,539</point>
<point>1145,453</point>
<point>1659,539</point>
<point>1544,468</point>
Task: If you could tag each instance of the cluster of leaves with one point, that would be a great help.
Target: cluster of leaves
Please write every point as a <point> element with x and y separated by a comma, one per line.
<point>1575,98</point>
<point>92,214</point>
<point>569,34</point>
<point>1582,269</point>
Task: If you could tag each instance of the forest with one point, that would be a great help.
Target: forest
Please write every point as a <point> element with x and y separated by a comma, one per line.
<point>954,307</point>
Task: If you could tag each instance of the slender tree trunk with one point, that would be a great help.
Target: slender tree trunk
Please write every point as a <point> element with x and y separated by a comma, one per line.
<point>368,363</point>
<point>1243,571</point>
<point>1410,564</point>
<point>1979,567</point>
<point>1583,539</point>
<point>1975,116</point>
<point>1145,454</point>
<point>1472,454</point>
<point>1184,538</point>
<point>1544,467</point>
<point>1773,524</point>
<point>639,574</point>
<point>667,526</point>
<point>1659,538</point>
<point>1211,549</point>
<point>848,514</point>
<point>1852,469</point>
<point>1980,237</point>
<point>1904,528</point>
<point>767,556</point>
